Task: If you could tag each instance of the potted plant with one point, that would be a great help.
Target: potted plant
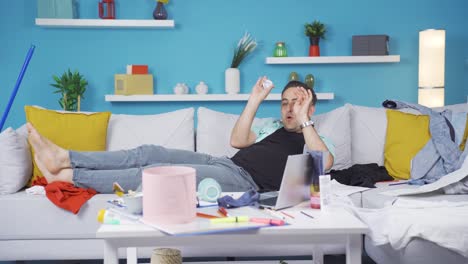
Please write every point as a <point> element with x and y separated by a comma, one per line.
<point>72,87</point>
<point>315,31</point>
<point>245,46</point>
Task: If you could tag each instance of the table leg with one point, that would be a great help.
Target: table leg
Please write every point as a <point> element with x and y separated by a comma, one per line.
<point>354,249</point>
<point>317,255</point>
<point>111,255</point>
<point>132,255</point>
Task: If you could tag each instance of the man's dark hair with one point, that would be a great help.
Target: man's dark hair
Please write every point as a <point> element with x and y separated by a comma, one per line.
<point>300,84</point>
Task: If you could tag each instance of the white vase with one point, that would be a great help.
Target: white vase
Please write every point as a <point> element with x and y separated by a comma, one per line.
<point>201,88</point>
<point>179,89</point>
<point>232,80</point>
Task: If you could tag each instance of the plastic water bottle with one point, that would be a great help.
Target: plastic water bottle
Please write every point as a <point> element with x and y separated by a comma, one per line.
<point>325,191</point>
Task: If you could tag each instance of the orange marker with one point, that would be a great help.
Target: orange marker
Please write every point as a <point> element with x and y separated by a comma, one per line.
<point>202,215</point>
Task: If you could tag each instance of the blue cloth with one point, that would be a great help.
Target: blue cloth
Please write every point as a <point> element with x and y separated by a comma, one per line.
<point>441,155</point>
<point>250,197</point>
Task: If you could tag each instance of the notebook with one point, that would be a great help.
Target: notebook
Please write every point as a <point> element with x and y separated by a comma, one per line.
<point>295,187</point>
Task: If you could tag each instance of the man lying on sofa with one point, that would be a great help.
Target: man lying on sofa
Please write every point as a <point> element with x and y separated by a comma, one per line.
<point>257,164</point>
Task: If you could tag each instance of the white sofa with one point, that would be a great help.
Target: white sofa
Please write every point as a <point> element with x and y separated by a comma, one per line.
<point>32,228</point>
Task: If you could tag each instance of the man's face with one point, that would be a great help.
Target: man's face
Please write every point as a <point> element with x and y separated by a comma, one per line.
<point>287,113</point>
<point>288,117</point>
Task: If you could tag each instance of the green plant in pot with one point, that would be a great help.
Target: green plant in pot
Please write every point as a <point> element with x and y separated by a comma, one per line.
<point>72,87</point>
<point>315,31</point>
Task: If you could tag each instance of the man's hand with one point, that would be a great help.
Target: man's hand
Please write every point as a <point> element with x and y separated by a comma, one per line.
<point>302,105</point>
<point>242,136</point>
<point>258,92</point>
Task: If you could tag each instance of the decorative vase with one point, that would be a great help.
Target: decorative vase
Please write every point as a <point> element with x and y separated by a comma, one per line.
<point>314,49</point>
<point>232,80</point>
<point>310,81</point>
<point>280,50</point>
<point>181,88</point>
<point>201,88</point>
<point>293,76</point>
<point>160,12</point>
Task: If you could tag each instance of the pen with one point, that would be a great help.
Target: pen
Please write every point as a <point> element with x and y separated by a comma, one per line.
<point>232,219</point>
<point>275,222</point>
<point>202,215</point>
<point>306,214</point>
<point>286,214</point>
<point>398,183</point>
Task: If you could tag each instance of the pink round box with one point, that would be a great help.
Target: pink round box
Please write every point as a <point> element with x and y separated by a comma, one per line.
<point>169,195</point>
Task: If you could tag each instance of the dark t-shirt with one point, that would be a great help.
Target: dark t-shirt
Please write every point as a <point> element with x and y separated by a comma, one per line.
<point>265,160</point>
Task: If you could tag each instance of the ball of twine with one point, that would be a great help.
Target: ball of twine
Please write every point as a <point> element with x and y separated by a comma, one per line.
<point>166,256</point>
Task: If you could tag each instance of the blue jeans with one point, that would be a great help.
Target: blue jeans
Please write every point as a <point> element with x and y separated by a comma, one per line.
<point>99,170</point>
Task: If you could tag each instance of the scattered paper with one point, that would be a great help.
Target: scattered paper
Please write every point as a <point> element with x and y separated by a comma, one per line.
<point>36,190</point>
<point>342,190</point>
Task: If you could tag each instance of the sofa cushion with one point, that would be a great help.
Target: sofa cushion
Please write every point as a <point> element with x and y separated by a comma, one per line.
<point>214,132</point>
<point>336,126</point>
<point>172,129</point>
<point>69,130</point>
<point>35,217</point>
<point>406,136</point>
<point>15,161</point>
<point>368,128</point>
<point>368,131</point>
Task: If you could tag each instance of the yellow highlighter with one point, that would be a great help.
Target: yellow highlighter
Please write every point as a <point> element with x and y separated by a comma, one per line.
<point>228,220</point>
<point>118,189</point>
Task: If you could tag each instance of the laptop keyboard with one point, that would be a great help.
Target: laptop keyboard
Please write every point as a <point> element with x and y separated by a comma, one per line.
<point>269,201</point>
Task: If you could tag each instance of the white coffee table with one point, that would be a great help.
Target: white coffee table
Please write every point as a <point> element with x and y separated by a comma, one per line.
<point>335,227</point>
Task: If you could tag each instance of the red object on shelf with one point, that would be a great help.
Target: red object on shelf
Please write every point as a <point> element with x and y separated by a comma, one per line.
<point>137,69</point>
<point>107,9</point>
<point>314,51</point>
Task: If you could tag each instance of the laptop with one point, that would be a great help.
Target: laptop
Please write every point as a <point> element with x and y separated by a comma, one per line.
<point>294,187</point>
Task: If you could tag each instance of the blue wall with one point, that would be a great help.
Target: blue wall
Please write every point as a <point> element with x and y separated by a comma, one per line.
<point>200,48</point>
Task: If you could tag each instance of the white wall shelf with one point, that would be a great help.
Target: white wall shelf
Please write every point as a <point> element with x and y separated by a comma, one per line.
<point>198,97</point>
<point>333,59</point>
<point>104,23</point>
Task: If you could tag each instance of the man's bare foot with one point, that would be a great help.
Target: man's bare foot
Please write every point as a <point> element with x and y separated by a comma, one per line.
<point>53,157</point>
<point>64,175</point>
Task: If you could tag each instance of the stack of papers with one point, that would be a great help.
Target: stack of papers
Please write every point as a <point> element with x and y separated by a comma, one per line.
<point>204,226</point>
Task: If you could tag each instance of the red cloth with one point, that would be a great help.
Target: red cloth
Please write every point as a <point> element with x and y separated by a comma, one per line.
<point>65,195</point>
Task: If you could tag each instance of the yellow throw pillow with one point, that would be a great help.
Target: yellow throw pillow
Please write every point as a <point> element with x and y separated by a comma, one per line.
<point>72,131</point>
<point>406,136</point>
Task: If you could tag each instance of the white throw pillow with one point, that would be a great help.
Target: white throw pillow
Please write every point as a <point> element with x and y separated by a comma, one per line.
<point>335,125</point>
<point>368,131</point>
<point>214,132</point>
<point>15,161</point>
<point>172,130</point>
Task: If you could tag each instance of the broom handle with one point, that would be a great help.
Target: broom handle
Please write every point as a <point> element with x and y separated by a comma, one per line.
<point>18,82</point>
